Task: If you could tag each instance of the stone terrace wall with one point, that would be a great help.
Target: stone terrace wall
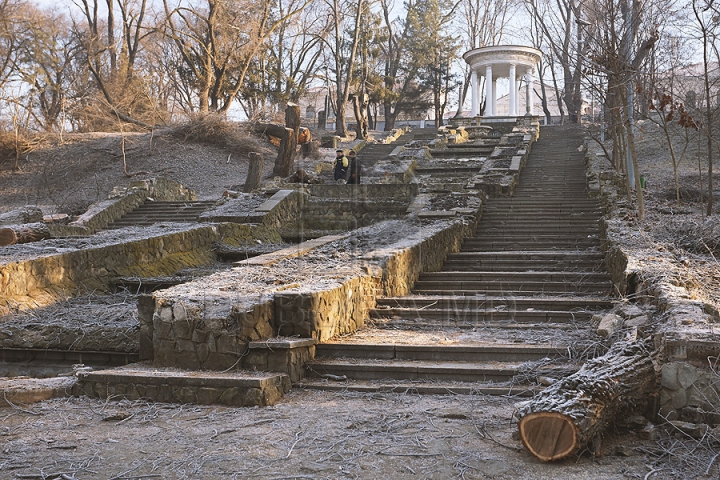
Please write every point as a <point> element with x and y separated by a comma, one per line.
<point>690,391</point>
<point>209,323</point>
<point>40,281</point>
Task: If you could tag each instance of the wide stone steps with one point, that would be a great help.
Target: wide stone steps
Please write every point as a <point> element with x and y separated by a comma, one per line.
<point>532,273</point>
<point>150,213</point>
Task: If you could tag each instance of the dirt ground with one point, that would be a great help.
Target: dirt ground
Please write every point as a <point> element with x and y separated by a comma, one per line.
<point>308,435</point>
<point>319,435</point>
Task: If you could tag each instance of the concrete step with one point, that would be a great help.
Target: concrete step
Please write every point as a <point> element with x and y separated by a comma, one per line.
<point>505,287</point>
<point>479,317</point>
<point>375,369</point>
<point>150,213</point>
<point>413,370</point>
<point>565,277</point>
<point>445,353</point>
<point>455,303</point>
<point>520,266</point>
<point>141,380</point>
<point>419,388</point>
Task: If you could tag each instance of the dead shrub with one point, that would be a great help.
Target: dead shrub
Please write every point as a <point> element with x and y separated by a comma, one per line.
<point>13,147</point>
<point>214,129</point>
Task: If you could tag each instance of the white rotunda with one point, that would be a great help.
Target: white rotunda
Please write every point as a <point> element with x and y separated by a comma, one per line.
<point>502,61</point>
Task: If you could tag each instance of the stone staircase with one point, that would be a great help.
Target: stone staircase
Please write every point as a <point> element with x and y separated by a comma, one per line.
<point>508,313</point>
<point>150,213</point>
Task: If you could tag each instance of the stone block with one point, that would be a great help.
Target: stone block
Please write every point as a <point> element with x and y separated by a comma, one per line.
<point>207,395</point>
<point>185,395</point>
<point>687,375</point>
<point>253,397</point>
<point>200,336</point>
<point>165,314</point>
<point>608,324</point>
<point>182,330</point>
<point>669,376</point>
<point>163,331</point>
<point>256,360</point>
<point>164,353</point>
<point>179,312</point>
<point>231,396</point>
<point>220,361</point>
<point>184,346</point>
<point>630,311</point>
<point>203,352</point>
<point>679,399</point>
<point>228,343</point>
<point>278,361</point>
<point>638,321</point>
<point>694,430</point>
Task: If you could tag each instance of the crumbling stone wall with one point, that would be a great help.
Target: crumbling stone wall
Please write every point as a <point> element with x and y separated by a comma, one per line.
<point>40,281</point>
<point>689,389</point>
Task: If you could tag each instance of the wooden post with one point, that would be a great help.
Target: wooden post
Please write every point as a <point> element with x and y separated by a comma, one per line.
<point>254,176</point>
<point>567,415</point>
<point>31,232</point>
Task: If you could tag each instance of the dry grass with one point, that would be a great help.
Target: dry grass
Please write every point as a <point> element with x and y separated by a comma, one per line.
<point>216,130</point>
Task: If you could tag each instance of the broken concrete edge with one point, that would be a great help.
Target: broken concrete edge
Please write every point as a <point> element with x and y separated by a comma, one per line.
<point>688,380</point>
<point>23,390</point>
<point>40,281</point>
<point>397,133</point>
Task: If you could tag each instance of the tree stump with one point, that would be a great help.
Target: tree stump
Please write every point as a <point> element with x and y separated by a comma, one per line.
<point>254,176</point>
<point>27,214</point>
<point>311,149</point>
<point>31,232</point>
<point>285,161</point>
<point>567,415</point>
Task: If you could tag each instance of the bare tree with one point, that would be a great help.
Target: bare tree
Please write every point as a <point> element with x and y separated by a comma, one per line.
<point>482,23</point>
<point>219,42</point>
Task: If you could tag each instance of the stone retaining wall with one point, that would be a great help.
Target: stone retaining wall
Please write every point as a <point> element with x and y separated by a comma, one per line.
<point>690,390</point>
<point>212,328</point>
<point>41,281</point>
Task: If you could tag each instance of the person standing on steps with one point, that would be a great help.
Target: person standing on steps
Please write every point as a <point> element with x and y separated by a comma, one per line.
<point>341,166</point>
<point>355,168</point>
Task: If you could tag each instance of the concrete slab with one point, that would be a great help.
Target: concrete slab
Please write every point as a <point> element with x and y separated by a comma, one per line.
<point>295,251</point>
<point>274,201</point>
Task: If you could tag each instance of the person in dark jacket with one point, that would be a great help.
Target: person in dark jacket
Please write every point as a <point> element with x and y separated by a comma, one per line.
<point>355,168</point>
<point>341,166</point>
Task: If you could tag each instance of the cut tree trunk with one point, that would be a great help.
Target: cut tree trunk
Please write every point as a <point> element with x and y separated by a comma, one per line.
<point>27,214</point>
<point>31,232</point>
<point>254,176</point>
<point>567,415</point>
<point>285,161</point>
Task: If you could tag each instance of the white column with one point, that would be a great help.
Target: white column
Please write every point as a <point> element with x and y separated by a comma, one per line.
<point>489,91</point>
<point>513,91</point>
<point>474,93</point>
<point>494,102</point>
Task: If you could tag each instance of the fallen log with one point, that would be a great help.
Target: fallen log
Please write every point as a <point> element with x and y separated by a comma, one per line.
<point>570,413</point>
<point>27,214</point>
<point>31,232</point>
